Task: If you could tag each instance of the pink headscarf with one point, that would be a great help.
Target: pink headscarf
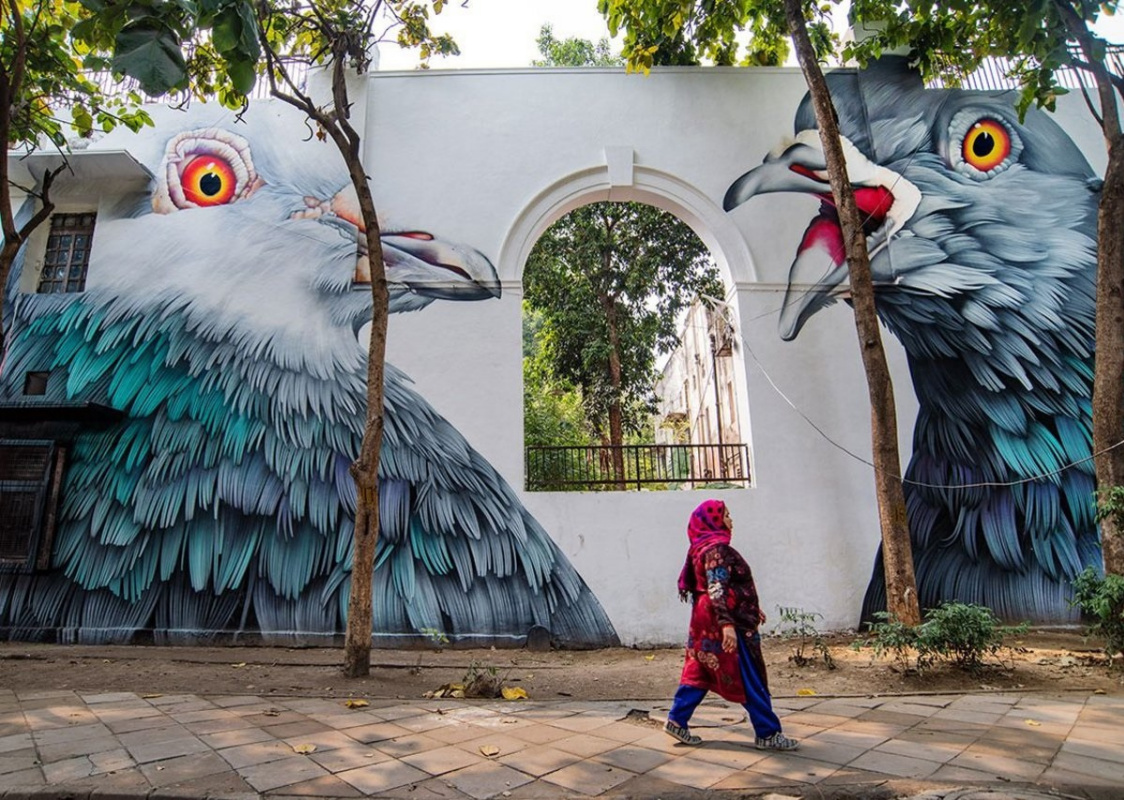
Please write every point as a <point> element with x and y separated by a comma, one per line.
<point>706,529</point>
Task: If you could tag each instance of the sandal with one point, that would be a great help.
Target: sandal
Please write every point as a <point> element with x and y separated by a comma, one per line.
<point>682,733</point>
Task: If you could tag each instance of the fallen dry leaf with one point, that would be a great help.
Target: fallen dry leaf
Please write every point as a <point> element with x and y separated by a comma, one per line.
<point>304,749</point>
<point>239,664</point>
<point>1034,723</point>
<point>513,693</point>
<point>650,658</point>
<point>271,712</point>
<point>805,692</point>
<point>490,750</point>
<point>356,703</point>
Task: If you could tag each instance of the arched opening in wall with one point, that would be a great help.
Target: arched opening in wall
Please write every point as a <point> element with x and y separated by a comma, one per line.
<point>629,356</point>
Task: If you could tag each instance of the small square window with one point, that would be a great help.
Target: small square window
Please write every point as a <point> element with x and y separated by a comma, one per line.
<point>35,383</point>
<point>68,254</point>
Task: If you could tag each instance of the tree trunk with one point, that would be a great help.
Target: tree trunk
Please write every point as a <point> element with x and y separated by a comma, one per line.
<point>1108,378</point>
<point>897,552</point>
<point>616,425</point>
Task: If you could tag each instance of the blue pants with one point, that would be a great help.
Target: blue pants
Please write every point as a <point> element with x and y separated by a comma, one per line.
<point>758,704</point>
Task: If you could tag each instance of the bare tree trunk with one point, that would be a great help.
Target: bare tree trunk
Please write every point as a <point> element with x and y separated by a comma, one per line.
<point>897,552</point>
<point>616,424</point>
<point>1108,377</point>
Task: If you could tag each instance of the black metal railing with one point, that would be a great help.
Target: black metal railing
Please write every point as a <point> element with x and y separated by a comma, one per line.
<point>652,466</point>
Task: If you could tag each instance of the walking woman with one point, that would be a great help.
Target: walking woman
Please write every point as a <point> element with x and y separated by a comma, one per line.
<point>723,645</point>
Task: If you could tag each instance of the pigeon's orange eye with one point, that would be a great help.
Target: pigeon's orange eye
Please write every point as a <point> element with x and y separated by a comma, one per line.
<point>208,181</point>
<point>986,145</point>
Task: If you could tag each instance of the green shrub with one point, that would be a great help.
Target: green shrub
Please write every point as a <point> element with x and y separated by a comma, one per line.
<point>1101,600</point>
<point>799,628</point>
<point>960,633</point>
<point>889,635</point>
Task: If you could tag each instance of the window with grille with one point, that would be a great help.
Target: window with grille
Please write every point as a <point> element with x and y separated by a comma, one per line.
<point>25,484</point>
<point>68,253</point>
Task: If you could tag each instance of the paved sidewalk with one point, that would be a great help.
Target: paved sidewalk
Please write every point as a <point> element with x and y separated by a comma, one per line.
<point>63,744</point>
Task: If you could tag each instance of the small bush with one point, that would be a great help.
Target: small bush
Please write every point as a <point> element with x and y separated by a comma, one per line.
<point>799,627</point>
<point>889,635</point>
<point>1101,600</point>
<point>960,633</point>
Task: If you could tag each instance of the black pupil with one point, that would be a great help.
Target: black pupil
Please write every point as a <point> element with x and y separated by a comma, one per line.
<point>211,184</point>
<point>983,145</point>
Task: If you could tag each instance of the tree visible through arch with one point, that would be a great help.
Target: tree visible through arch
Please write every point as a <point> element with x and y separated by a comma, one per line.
<point>606,285</point>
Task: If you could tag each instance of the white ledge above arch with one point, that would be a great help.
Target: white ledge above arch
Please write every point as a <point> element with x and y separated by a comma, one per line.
<point>644,185</point>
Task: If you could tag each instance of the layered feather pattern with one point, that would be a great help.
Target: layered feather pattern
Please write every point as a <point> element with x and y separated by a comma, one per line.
<point>230,339</point>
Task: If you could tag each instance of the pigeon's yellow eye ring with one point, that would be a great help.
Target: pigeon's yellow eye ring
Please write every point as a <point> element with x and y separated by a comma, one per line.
<point>208,181</point>
<point>986,145</point>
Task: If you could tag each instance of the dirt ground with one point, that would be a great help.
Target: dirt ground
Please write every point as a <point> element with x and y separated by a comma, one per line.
<point>1038,661</point>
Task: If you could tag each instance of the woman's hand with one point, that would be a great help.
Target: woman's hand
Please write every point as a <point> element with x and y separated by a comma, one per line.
<point>729,639</point>
<point>761,614</point>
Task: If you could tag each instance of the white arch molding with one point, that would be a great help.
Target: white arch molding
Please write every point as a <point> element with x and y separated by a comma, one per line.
<point>619,180</point>
<point>654,187</point>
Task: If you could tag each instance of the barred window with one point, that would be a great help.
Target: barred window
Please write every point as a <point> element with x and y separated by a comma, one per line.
<point>68,253</point>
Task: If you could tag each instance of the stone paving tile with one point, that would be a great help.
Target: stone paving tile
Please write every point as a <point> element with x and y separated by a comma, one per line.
<point>378,732</point>
<point>964,715</point>
<point>111,761</point>
<point>738,755</point>
<point>263,717</point>
<point>1093,767</point>
<point>506,744</point>
<point>486,780</point>
<point>891,764</point>
<point>956,774</point>
<point>235,700</point>
<point>234,738</point>
<point>426,722</point>
<point>183,769</point>
<point>1055,776</point>
<point>349,757</point>
<point>248,755</point>
<point>832,752</point>
<point>21,778</point>
<point>908,708</point>
<point>132,725</point>
<point>314,705</point>
<point>589,777</point>
<point>850,737</point>
<point>584,745</point>
<point>984,760</point>
<point>636,759</point>
<point>69,770</point>
<point>539,761</point>
<point>17,763</point>
<point>158,751</point>
<point>323,740</point>
<point>752,781</point>
<point>284,772</point>
<point>343,720</point>
<point>107,697</point>
<point>443,759</point>
<point>624,732</point>
<point>407,745</point>
<point>583,723</point>
<point>73,733</point>
<point>849,707</point>
<point>847,776</point>
<point>165,733</point>
<point>15,741</point>
<point>1011,746</point>
<point>378,778</point>
<point>392,713</point>
<point>940,752</point>
<point>306,727</point>
<point>1106,751</point>
<point>324,786</point>
<point>465,731</point>
<point>432,789</point>
<point>818,721</point>
<point>81,747</point>
<point>226,722</point>
<point>795,769</point>
<point>690,772</point>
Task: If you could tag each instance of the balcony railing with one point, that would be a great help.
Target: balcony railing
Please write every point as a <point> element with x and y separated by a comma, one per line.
<point>652,466</point>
